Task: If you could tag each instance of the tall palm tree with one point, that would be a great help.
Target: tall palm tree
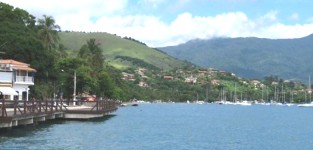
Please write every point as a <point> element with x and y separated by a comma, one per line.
<point>48,32</point>
<point>93,53</point>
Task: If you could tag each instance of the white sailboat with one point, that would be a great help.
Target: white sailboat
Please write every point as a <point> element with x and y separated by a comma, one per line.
<point>306,105</point>
<point>310,104</point>
<point>242,103</point>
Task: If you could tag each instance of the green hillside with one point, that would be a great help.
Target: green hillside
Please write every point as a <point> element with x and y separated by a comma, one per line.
<point>251,57</point>
<point>121,53</point>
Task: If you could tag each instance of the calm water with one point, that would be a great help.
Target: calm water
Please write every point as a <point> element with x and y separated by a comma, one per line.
<point>175,126</point>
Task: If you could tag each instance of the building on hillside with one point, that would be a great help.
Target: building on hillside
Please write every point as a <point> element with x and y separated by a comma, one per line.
<point>15,79</point>
<point>202,73</point>
<point>168,77</point>
<point>141,71</point>
<point>212,72</point>
<point>142,84</point>
<point>255,82</point>
<point>128,76</point>
<point>274,83</point>
<point>191,79</point>
<point>215,82</point>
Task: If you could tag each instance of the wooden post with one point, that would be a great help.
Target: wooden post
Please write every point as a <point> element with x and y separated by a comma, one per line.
<point>33,106</point>
<point>97,103</point>
<point>46,106</point>
<point>25,107</point>
<point>39,105</point>
<point>15,106</point>
<point>3,107</point>
<point>51,105</point>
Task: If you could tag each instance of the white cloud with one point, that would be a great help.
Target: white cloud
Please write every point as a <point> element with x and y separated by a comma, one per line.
<point>60,7</point>
<point>294,16</point>
<point>104,16</point>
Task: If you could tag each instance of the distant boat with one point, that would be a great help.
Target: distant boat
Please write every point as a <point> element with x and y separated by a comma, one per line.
<point>289,104</point>
<point>243,103</point>
<point>200,102</point>
<point>123,105</point>
<point>309,91</point>
<point>135,104</point>
<point>306,105</point>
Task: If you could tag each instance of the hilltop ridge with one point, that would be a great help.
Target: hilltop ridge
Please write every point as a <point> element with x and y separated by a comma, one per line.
<point>250,57</point>
<point>121,53</point>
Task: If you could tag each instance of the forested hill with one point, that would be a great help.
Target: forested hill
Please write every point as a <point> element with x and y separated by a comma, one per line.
<point>251,57</point>
<point>122,52</point>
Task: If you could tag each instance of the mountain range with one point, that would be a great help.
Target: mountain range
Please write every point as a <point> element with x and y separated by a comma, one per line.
<point>251,57</point>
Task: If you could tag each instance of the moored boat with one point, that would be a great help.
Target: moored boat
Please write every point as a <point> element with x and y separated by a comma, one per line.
<point>306,105</point>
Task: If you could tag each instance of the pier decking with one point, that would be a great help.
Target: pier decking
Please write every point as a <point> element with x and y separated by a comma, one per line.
<point>16,113</point>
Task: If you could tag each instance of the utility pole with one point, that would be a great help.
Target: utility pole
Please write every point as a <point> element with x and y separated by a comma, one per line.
<point>74,92</point>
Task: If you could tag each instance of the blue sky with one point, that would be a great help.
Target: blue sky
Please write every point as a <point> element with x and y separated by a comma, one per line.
<point>171,22</point>
<point>286,9</point>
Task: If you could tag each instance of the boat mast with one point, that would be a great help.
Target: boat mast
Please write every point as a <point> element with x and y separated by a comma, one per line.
<point>310,88</point>
<point>267,94</point>
<point>207,94</point>
<point>235,96</point>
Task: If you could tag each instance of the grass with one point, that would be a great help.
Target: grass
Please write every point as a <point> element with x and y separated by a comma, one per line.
<point>113,46</point>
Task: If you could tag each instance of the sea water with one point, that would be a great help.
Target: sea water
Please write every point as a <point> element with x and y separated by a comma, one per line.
<point>174,127</point>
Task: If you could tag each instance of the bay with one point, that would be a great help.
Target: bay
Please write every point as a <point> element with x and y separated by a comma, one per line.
<point>174,126</point>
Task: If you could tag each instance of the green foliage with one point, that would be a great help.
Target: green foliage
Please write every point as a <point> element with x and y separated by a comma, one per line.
<point>114,46</point>
<point>92,53</point>
<point>48,32</point>
<point>129,38</point>
<point>138,62</point>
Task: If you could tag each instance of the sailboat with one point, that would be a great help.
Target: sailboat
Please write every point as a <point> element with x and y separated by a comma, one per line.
<point>242,103</point>
<point>309,91</point>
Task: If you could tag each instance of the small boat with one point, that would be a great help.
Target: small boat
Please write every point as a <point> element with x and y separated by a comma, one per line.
<point>135,104</point>
<point>306,105</point>
<point>243,103</point>
<point>289,104</point>
<point>200,102</point>
<point>123,105</point>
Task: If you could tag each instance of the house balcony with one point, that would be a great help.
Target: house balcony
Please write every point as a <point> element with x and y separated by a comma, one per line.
<point>29,80</point>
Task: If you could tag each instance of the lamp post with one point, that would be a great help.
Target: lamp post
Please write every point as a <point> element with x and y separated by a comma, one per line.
<point>74,92</point>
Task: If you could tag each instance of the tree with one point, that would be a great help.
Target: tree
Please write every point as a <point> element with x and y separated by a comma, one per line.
<point>93,53</point>
<point>48,32</point>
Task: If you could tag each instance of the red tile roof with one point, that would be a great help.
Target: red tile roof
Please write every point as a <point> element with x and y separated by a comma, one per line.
<point>17,64</point>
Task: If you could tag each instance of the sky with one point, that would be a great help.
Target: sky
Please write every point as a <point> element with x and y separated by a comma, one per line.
<point>161,23</point>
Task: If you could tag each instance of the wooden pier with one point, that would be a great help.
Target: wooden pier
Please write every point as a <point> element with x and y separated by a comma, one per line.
<point>16,113</point>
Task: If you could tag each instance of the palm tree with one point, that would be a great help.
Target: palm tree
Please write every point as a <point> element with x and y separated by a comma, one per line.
<point>48,32</point>
<point>93,53</point>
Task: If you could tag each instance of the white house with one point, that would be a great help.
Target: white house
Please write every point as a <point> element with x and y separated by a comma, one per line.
<point>15,79</point>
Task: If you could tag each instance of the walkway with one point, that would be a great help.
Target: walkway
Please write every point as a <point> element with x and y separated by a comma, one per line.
<point>16,113</point>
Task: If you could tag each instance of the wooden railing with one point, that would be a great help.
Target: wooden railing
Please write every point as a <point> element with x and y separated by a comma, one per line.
<point>33,107</point>
<point>105,105</point>
<point>30,107</point>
